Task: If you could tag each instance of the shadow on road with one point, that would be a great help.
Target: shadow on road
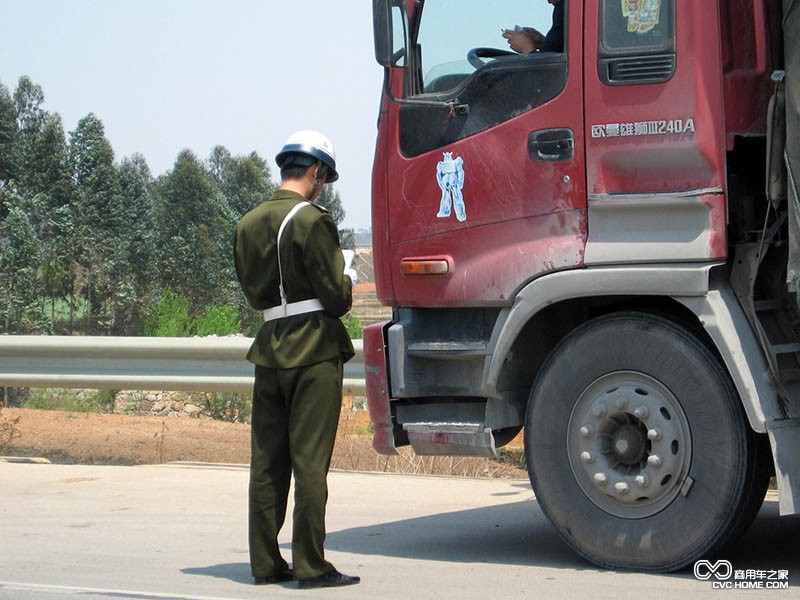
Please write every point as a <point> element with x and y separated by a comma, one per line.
<point>519,534</point>
<point>237,572</point>
<point>516,534</point>
<point>770,543</point>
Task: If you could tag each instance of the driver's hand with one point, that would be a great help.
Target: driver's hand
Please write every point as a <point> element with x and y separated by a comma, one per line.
<point>520,41</point>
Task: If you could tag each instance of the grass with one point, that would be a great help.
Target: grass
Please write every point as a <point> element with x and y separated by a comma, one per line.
<point>68,400</point>
<point>62,457</point>
<point>61,309</point>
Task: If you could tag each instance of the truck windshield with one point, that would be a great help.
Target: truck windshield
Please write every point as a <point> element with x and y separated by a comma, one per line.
<point>451,30</point>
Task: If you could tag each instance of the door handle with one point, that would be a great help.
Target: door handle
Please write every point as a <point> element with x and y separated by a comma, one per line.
<point>551,145</point>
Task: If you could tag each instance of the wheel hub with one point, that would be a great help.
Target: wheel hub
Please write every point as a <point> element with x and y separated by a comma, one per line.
<point>629,444</point>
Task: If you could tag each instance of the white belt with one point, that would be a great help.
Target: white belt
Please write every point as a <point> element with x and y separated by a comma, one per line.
<point>293,308</point>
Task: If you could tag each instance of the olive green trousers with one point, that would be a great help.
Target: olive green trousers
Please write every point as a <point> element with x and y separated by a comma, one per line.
<point>295,414</point>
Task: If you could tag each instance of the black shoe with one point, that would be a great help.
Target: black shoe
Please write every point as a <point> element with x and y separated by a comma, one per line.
<point>330,579</point>
<point>285,575</point>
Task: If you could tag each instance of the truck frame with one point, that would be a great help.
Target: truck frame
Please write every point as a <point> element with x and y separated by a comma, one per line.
<point>599,245</point>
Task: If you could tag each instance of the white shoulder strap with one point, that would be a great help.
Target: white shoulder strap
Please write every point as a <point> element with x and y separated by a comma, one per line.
<point>285,221</point>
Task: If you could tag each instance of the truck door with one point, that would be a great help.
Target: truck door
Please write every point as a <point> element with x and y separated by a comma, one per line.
<point>485,166</point>
<point>655,131</point>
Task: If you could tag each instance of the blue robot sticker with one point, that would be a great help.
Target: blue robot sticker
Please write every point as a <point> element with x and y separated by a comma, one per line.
<point>450,176</point>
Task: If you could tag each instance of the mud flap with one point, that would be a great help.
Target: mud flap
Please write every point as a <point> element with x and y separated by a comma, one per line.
<point>784,437</point>
<point>377,383</point>
<point>791,36</point>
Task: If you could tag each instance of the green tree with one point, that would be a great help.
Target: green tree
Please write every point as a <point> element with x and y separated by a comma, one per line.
<point>47,167</point>
<point>330,199</point>
<point>218,163</point>
<point>30,118</point>
<point>135,276</point>
<point>19,262</point>
<point>56,263</point>
<point>28,99</point>
<point>9,159</point>
<point>194,224</point>
<point>170,317</point>
<point>8,141</point>
<point>97,219</point>
<point>33,158</point>
<point>218,320</point>
<point>244,181</point>
<point>48,179</point>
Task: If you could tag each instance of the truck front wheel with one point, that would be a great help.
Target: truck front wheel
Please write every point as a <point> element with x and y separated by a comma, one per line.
<point>637,446</point>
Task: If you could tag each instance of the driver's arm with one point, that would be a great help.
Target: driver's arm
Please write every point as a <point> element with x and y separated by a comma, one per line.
<point>525,40</point>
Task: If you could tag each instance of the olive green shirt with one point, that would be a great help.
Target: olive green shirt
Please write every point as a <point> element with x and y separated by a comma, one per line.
<point>313,267</point>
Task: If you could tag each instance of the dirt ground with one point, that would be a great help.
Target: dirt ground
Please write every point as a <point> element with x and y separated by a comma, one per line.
<point>91,438</point>
<point>124,439</point>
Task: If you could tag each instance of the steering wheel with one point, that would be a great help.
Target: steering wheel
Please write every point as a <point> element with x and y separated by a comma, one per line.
<point>475,55</point>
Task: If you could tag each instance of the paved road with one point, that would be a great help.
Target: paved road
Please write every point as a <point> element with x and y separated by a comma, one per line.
<point>178,531</point>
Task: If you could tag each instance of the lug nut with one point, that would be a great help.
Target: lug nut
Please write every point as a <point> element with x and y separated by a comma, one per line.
<point>642,481</point>
<point>587,431</point>
<point>600,478</point>
<point>621,402</point>
<point>621,487</point>
<point>654,434</point>
<point>654,460</point>
<point>599,410</point>
<point>642,412</point>
<point>587,457</point>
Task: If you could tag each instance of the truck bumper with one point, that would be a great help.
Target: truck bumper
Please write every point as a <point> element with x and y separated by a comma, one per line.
<point>377,383</point>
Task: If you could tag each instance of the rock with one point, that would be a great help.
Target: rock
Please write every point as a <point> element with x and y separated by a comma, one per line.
<point>192,410</point>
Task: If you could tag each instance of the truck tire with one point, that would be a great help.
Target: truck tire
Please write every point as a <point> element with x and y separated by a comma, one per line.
<point>637,446</point>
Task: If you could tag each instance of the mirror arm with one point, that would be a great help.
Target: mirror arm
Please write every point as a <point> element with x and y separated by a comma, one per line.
<point>455,107</point>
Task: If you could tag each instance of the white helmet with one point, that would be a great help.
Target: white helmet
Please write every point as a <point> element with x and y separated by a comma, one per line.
<point>312,144</point>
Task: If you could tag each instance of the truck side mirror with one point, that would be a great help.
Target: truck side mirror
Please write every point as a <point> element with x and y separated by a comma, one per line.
<point>382,25</point>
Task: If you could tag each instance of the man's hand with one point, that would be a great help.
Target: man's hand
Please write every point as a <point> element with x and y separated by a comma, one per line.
<point>525,40</point>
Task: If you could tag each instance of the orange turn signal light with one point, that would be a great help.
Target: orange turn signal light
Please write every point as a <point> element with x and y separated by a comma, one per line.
<point>411,266</point>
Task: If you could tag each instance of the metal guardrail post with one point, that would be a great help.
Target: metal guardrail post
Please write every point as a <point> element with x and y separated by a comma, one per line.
<point>208,364</point>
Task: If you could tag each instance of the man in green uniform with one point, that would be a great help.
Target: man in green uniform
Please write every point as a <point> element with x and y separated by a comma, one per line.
<point>290,266</point>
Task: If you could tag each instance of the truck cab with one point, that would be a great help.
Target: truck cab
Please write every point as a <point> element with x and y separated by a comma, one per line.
<point>592,242</point>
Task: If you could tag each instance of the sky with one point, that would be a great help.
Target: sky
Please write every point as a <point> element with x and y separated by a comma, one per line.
<point>164,75</point>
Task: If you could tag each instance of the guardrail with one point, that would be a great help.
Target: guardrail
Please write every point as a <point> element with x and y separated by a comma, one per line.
<point>209,364</point>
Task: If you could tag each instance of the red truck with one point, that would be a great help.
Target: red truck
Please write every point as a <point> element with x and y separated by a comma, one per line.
<point>601,245</point>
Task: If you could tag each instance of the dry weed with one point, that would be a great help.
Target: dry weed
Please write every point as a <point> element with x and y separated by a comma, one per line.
<point>8,429</point>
